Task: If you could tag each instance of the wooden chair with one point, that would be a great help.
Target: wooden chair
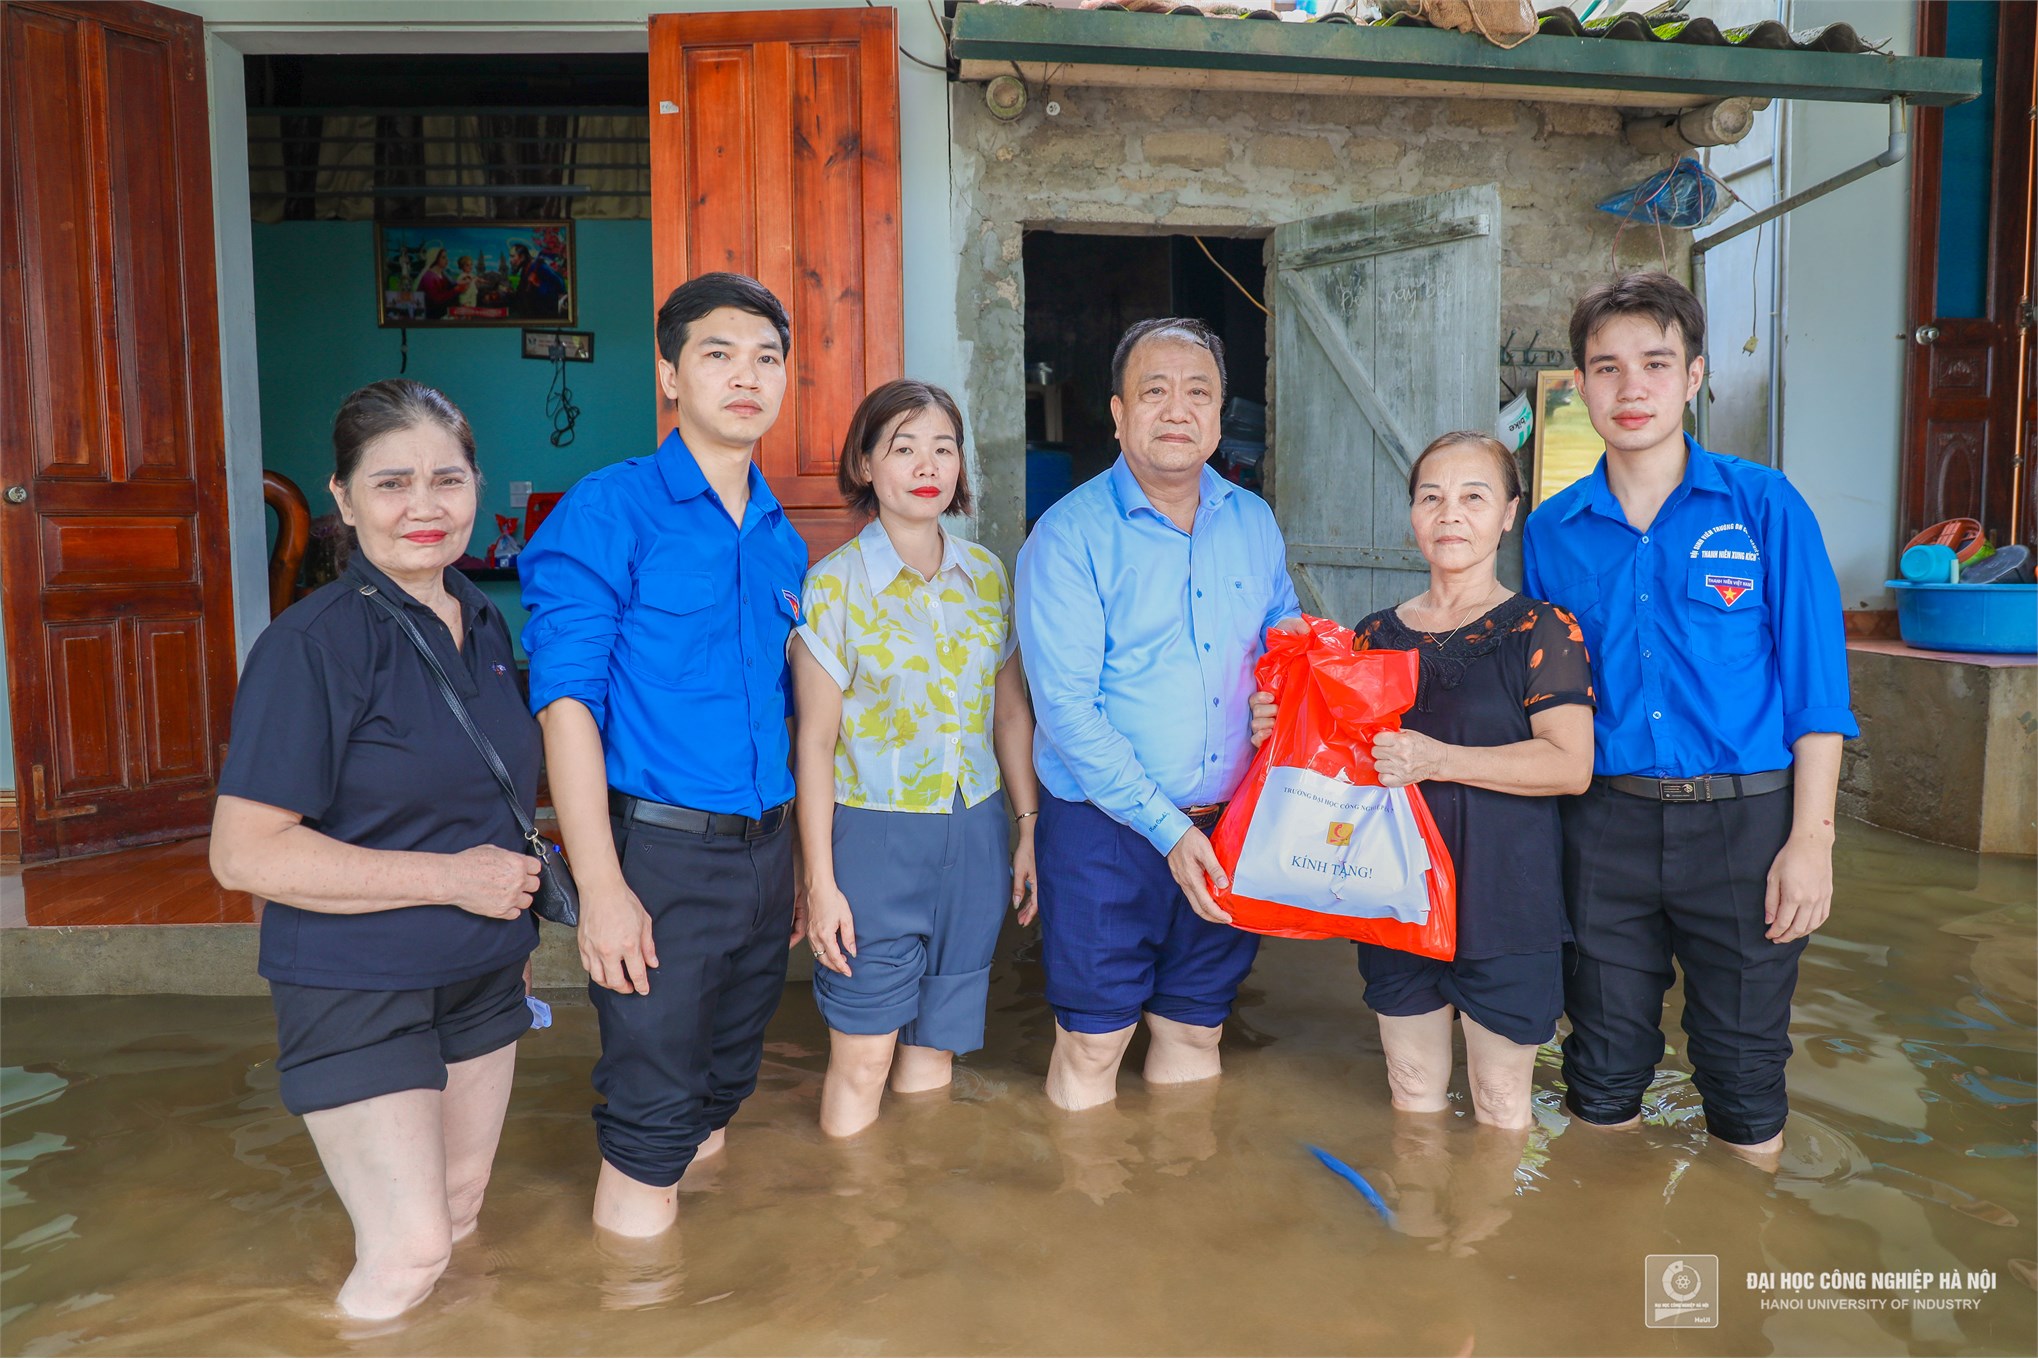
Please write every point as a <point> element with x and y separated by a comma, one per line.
<point>293,534</point>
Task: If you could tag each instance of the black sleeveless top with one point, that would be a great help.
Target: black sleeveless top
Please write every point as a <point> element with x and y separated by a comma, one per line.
<point>1480,687</point>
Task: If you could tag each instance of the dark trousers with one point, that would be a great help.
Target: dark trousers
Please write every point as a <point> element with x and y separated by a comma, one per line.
<point>1647,882</point>
<point>676,1063</point>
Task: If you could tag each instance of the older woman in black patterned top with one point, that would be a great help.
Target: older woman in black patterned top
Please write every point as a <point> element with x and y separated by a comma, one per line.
<point>1502,724</point>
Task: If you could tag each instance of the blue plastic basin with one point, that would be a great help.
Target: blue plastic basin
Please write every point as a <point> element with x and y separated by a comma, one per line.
<point>1997,618</point>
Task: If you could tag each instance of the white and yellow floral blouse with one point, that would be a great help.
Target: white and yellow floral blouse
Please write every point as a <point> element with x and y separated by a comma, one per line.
<point>917,660</point>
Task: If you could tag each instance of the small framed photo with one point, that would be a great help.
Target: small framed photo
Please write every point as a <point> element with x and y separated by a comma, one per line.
<point>452,275</point>
<point>578,344</point>
<point>1567,448</point>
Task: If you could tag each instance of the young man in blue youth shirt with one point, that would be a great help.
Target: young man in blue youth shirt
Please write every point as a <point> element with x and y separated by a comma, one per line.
<point>1713,619</point>
<point>662,593</point>
<point>1144,597</point>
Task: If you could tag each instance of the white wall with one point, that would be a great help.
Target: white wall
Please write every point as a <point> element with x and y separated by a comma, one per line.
<point>235,27</point>
<point>1845,261</point>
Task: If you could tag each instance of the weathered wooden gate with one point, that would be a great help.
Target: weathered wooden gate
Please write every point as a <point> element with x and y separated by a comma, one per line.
<point>1387,334</point>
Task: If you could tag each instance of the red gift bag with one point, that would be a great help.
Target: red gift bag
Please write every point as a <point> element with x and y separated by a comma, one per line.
<point>1314,847</point>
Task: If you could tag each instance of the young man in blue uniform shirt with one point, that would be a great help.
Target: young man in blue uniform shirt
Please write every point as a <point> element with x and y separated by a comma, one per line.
<point>662,593</point>
<point>1713,618</point>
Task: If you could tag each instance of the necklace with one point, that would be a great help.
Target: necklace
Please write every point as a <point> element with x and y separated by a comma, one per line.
<point>1478,611</point>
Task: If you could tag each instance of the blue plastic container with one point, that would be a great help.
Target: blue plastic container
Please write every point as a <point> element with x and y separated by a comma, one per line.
<point>1993,618</point>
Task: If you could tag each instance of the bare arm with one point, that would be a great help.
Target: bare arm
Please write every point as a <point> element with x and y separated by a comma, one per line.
<point>271,853</point>
<point>817,708</point>
<point>1012,738</point>
<point>1556,759</point>
<point>1800,893</point>
<point>615,931</point>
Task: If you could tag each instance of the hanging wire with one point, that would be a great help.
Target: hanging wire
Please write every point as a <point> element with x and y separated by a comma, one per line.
<point>559,399</point>
<point>403,350</point>
<point>872,4</point>
<point>1228,274</point>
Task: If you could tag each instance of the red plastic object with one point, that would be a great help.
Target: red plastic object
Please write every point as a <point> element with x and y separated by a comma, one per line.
<point>1333,702</point>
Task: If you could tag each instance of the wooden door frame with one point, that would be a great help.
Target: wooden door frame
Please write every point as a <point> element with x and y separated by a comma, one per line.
<point>2009,222</point>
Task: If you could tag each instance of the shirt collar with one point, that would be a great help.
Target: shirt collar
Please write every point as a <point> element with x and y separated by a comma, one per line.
<point>1701,473</point>
<point>473,603</point>
<point>883,563</point>
<point>684,479</point>
<point>1211,490</point>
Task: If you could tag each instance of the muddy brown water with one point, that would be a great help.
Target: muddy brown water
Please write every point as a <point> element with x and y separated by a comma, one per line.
<point>158,1200</point>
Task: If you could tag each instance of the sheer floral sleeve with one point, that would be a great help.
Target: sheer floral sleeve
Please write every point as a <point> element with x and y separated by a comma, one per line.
<point>1559,671</point>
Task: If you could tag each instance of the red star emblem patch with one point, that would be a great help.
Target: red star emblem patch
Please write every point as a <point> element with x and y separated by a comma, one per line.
<point>1730,588</point>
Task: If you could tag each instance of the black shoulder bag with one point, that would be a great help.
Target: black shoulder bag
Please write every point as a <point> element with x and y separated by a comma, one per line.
<point>556,899</point>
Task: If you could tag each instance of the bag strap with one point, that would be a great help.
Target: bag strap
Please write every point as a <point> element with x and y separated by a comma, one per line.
<point>459,707</point>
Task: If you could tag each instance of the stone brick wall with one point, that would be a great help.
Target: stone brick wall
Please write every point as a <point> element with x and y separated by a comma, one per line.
<point>1243,163</point>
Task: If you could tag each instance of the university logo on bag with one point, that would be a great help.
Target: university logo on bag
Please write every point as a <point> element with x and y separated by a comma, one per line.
<point>1730,588</point>
<point>1340,833</point>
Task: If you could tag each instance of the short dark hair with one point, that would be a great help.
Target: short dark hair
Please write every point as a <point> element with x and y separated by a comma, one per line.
<point>387,407</point>
<point>875,415</point>
<point>1187,329</point>
<point>1644,292</point>
<point>696,297</point>
<point>1510,471</point>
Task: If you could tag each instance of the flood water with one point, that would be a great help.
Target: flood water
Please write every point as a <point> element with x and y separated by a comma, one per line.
<point>158,1200</point>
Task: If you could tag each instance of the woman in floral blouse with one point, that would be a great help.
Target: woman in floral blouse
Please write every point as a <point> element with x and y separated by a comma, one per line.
<point>911,704</point>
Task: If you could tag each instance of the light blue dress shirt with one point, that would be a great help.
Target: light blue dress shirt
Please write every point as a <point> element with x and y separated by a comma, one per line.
<point>1139,642</point>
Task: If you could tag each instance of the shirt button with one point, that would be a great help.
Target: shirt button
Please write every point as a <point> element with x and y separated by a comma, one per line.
<point>1199,594</point>
<point>1658,716</point>
<point>1216,702</point>
<point>1645,537</point>
<point>1646,653</point>
<point>1645,599</point>
<point>1206,646</point>
<point>1213,759</point>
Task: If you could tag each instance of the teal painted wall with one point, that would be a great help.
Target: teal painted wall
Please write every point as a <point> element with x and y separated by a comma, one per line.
<point>317,341</point>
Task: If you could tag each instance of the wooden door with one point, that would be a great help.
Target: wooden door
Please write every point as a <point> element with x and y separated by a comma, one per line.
<point>120,642</point>
<point>1386,334</point>
<point>775,153</point>
<point>1969,368</point>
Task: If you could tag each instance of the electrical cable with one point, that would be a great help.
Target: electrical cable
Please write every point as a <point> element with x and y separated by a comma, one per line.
<point>1228,274</point>
<point>559,400</point>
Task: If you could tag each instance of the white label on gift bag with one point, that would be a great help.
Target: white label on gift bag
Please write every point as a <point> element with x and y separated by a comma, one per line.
<point>1321,845</point>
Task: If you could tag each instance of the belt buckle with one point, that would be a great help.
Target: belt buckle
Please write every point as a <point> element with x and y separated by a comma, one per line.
<point>1682,790</point>
<point>768,824</point>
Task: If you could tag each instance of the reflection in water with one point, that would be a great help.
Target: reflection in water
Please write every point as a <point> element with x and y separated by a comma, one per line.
<point>158,1199</point>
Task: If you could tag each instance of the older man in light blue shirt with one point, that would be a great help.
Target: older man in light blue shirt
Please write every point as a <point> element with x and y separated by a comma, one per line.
<point>1144,597</point>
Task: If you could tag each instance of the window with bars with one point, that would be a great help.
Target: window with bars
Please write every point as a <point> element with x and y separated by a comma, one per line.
<point>477,163</point>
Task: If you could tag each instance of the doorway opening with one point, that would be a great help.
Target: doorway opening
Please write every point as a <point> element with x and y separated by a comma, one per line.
<point>439,217</point>
<point>1082,291</point>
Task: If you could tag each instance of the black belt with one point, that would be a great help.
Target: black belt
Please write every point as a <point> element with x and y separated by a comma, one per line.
<point>1204,817</point>
<point>1704,788</point>
<point>645,812</point>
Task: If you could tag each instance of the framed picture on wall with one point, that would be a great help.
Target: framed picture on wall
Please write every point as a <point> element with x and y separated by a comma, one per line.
<point>434,275</point>
<point>1567,448</point>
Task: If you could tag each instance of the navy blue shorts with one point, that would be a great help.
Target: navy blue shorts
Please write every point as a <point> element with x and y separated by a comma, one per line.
<point>927,892</point>
<point>337,1046</point>
<point>1516,995</point>
<point>1117,935</point>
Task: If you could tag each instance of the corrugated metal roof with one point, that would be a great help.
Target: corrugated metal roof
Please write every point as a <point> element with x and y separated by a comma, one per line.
<point>1660,25</point>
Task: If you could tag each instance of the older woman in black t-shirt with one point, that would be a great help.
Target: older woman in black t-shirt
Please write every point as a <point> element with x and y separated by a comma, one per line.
<point>398,923</point>
<point>1502,723</point>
